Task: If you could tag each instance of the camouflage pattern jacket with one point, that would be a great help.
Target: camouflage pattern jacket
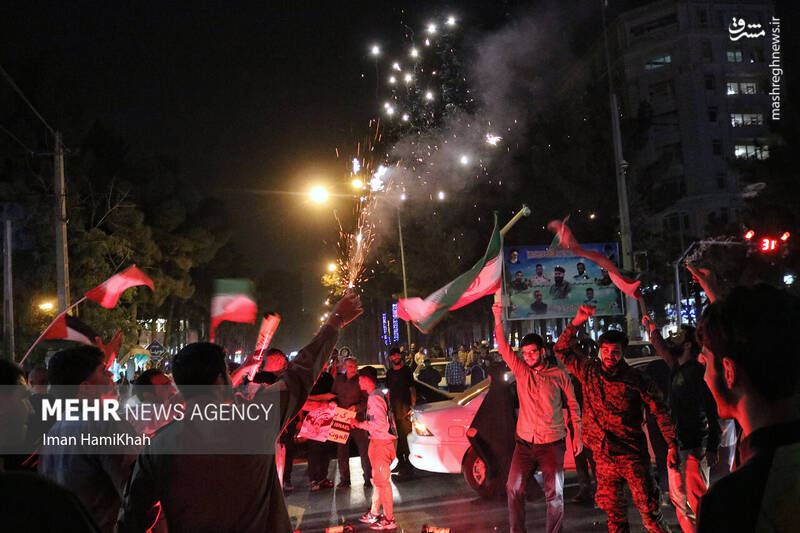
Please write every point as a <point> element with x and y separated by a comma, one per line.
<point>614,403</point>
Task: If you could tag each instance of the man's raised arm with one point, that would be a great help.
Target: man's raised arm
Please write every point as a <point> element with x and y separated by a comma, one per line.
<point>302,372</point>
<point>658,342</point>
<point>565,347</point>
<point>500,337</point>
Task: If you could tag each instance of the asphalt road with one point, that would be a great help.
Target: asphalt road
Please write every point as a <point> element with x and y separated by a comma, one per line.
<point>441,500</point>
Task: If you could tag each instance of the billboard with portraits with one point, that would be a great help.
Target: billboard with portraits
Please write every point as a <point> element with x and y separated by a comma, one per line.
<point>540,283</point>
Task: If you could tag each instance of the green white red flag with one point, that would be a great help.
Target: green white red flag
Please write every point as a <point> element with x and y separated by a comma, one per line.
<point>479,281</point>
<point>232,301</point>
<point>566,240</point>
<point>107,293</point>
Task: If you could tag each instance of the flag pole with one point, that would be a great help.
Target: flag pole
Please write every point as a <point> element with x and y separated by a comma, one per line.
<point>62,313</point>
<point>525,211</point>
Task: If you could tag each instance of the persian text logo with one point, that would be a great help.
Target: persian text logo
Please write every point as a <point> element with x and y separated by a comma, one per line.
<point>739,29</point>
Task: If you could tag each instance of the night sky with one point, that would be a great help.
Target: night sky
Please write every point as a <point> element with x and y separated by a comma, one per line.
<point>244,95</point>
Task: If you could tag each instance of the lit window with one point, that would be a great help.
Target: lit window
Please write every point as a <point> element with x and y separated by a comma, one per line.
<point>658,62</point>
<point>746,119</point>
<point>750,151</point>
<point>734,56</point>
<point>741,87</point>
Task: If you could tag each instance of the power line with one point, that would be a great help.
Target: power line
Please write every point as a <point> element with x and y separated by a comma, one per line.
<point>11,82</point>
<point>4,130</point>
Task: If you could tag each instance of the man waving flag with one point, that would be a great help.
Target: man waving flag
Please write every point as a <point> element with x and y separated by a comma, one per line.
<point>481,280</point>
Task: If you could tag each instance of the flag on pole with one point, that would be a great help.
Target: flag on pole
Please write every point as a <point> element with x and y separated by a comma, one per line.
<point>566,240</point>
<point>107,293</point>
<point>269,325</point>
<point>232,301</point>
<point>69,328</point>
<point>481,280</point>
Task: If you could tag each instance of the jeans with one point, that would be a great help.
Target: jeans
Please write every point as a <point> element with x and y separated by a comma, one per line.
<point>403,423</point>
<point>381,455</point>
<point>361,439</point>
<point>318,460</point>
<point>527,458</point>
<point>687,485</point>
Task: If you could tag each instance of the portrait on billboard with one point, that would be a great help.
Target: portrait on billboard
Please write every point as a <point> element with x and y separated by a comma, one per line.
<point>540,283</point>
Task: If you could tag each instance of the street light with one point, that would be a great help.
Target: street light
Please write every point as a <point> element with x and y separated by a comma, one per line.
<point>319,194</point>
<point>331,267</point>
<point>376,50</point>
<point>357,183</point>
<point>47,306</point>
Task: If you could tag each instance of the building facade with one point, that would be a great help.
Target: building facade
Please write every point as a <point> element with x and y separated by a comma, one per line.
<point>699,73</point>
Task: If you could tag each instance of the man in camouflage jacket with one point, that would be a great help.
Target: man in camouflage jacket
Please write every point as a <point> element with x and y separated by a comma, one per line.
<point>615,396</point>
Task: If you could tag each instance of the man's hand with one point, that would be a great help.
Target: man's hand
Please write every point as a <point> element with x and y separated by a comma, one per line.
<point>497,310</point>
<point>577,446</point>
<point>707,280</point>
<point>673,458</point>
<point>712,457</point>
<point>354,423</point>
<point>346,310</point>
<point>647,322</point>
<point>583,314</point>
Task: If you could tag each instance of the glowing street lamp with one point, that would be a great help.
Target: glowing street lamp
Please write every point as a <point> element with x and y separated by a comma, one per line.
<point>357,183</point>
<point>440,195</point>
<point>331,267</point>
<point>319,194</point>
<point>47,306</point>
<point>451,21</point>
<point>376,50</point>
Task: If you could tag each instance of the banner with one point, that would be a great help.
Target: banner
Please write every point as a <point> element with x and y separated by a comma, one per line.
<point>328,423</point>
<point>544,283</point>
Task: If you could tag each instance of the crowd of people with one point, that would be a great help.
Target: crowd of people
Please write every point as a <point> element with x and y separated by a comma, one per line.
<point>737,372</point>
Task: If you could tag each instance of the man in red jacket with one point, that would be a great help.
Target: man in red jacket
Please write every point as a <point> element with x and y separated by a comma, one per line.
<point>614,397</point>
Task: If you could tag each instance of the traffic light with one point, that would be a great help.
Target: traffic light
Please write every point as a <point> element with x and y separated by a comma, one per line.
<point>767,244</point>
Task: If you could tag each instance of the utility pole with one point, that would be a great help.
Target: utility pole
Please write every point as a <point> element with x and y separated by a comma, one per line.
<point>620,165</point>
<point>8,291</point>
<point>403,268</point>
<point>62,252</point>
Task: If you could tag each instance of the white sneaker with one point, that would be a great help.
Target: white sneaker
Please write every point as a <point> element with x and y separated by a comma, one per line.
<point>384,524</point>
<point>369,518</point>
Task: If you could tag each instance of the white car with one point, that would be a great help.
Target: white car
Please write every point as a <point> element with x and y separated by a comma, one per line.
<point>438,440</point>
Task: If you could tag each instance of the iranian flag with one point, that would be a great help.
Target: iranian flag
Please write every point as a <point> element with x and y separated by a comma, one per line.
<point>479,281</point>
<point>69,328</point>
<point>107,293</point>
<point>566,240</point>
<point>232,301</point>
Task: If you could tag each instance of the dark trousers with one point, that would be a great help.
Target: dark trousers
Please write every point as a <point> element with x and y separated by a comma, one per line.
<point>586,469</point>
<point>549,458</point>
<point>289,461</point>
<point>361,439</point>
<point>318,460</point>
<point>403,423</point>
<point>612,474</point>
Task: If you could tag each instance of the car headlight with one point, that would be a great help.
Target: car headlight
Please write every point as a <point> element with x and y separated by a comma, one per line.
<point>422,430</point>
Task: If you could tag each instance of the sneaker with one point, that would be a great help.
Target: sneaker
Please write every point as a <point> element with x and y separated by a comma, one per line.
<point>326,484</point>
<point>384,524</point>
<point>369,518</point>
<point>343,484</point>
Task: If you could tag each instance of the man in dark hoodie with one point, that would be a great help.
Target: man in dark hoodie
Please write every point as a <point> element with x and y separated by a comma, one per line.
<point>236,493</point>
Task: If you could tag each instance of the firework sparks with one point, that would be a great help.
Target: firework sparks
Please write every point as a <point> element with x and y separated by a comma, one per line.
<point>356,165</point>
<point>493,139</point>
